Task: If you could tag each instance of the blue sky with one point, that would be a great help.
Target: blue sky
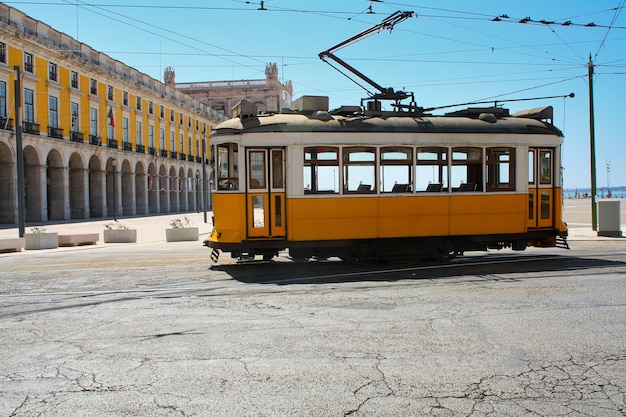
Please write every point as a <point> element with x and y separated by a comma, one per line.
<point>451,52</point>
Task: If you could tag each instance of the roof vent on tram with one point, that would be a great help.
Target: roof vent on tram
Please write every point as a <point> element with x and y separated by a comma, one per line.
<point>244,110</point>
<point>310,104</point>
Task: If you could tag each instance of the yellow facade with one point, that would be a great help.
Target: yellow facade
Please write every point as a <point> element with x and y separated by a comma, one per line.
<point>71,152</point>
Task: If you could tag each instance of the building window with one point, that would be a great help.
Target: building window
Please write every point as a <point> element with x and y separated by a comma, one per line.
<point>171,115</point>
<point>162,112</point>
<point>189,145</point>
<point>3,52</point>
<point>151,136</point>
<point>180,118</point>
<point>53,113</point>
<point>189,122</point>
<point>162,142</point>
<point>74,79</point>
<point>28,62</point>
<point>172,144</point>
<point>110,92</point>
<point>125,98</point>
<point>138,103</point>
<point>111,131</point>
<point>93,122</point>
<point>29,106</point>
<point>52,72</point>
<point>125,136</point>
<point>74,113</point>
<point>150,107</point>
<point>3,99</point>
<point>139,136</point>
<point>93,87</point>
<point>181,144</point>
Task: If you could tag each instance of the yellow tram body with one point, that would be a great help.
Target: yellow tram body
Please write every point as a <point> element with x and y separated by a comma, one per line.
<point>262,202</point>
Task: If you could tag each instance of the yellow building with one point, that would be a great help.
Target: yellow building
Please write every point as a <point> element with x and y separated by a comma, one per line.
<point>96,133</point>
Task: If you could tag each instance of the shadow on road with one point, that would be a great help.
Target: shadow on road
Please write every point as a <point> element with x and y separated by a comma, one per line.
<point>505,267</point>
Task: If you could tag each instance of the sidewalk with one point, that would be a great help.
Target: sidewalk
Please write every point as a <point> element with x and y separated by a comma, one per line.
<point>149,228</point>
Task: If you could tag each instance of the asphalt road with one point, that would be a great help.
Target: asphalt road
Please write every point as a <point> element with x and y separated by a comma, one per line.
<point>152,329</point>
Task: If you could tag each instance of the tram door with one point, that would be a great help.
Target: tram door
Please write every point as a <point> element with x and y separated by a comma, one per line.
<point>540,188</point>
<point>265,170</point>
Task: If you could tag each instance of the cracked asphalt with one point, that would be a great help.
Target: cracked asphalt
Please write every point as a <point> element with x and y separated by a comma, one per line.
<point>152,329</point>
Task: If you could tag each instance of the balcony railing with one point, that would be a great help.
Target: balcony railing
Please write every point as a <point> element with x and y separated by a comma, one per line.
<point>199,159</point>
<point>163,153</point>
<point>127,146</point>
<point>112,143</point>
<point>174,155</point>
<point>190,158</point>
<point>55,132</point>
<point>77,137</point>
<point>32,128</point>
<point>152,151</point>
<point>95,140</point>
<point>140,148</point>
<point>6,123</point>
<point>183,157</point>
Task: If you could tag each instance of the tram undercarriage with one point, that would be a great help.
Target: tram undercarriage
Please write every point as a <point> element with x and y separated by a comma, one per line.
<point>385,250</point>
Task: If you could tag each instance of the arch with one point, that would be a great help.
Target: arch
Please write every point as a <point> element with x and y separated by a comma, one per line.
<point>164,201</point>
<point>192,196</point>
<point>55,185</point>
<point>174,184</point>
<point>33,185</point>
<point>141,189</point>
<point>112,188</point>
<point>78,182</point>
<point>182,189</point>
<point>153,189</point>
<point>7,185</point>
<point>96,187</point>
<point>128,188</point>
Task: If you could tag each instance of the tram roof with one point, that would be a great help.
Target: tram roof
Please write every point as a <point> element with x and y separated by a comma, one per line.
<point>465,121</point>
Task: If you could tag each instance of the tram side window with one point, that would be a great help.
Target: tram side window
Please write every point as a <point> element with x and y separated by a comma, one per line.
<point>359,170</point>
<point>227,170</point>
<point>395,169</point>
<point>431,171</point>
<point>467,169</point>
<point>501,169</point>
<point>321,170</point>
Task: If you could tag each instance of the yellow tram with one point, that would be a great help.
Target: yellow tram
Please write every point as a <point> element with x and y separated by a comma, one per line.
<point>371,185</point>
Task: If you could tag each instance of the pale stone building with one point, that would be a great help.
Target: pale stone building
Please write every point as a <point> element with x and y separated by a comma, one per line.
<point>268,95</point>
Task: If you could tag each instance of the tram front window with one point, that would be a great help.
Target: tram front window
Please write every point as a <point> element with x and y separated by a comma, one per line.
<point>227,170</point>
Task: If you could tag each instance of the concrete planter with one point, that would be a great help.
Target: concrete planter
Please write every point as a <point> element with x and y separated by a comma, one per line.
<point>181,234</point>
<point>120,235</point>
<point>36,241</point>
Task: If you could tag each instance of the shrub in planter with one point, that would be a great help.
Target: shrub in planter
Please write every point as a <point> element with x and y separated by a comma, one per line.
<point>119,233</point>
<point>38,238</point>
<point>181,230</point>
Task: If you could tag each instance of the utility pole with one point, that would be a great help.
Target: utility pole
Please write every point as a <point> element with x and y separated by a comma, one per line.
<point>21,205</point>
<point>592,143</point>
<point>204,184</point>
